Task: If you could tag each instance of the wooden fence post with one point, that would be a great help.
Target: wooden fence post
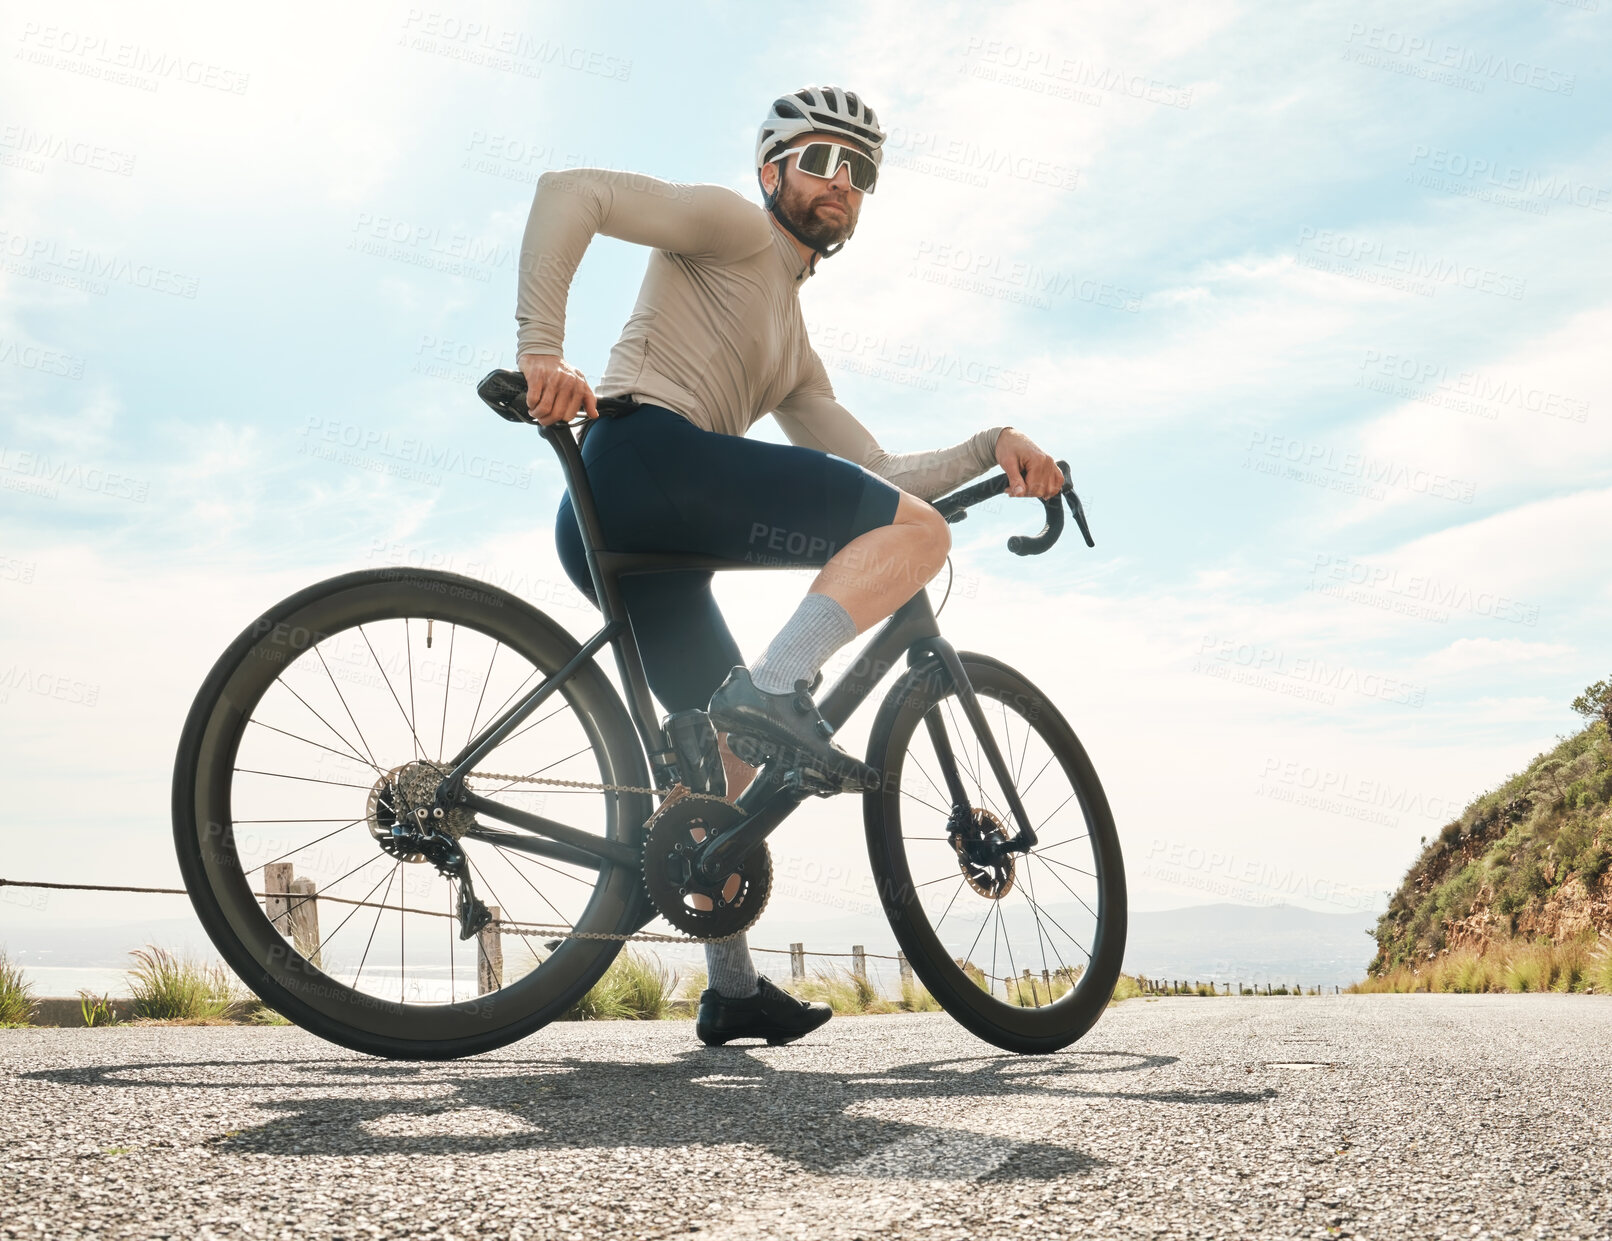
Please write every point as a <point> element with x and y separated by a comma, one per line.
<point>304,918</point>
<point>859,961</point>
<point>489,955</point>
<point>276,901</point>
<point>904,967</point>
<point>797,962</point>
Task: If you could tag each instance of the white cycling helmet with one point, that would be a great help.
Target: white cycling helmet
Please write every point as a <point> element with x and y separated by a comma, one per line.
<point>814,109</point>
<point>818,109</point>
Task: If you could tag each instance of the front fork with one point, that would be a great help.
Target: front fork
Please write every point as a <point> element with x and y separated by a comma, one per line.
<point>770,799</point>
<point>1026,838</point>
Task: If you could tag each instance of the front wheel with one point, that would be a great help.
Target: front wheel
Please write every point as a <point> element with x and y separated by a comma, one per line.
<point>1023,948</point>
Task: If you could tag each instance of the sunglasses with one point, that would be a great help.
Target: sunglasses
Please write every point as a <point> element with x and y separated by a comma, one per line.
<point>824,159</point>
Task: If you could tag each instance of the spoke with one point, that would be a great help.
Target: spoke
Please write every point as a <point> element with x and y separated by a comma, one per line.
<point>925,838</point>
<point>504,853</point>
<point>341,784</point>
<point>1025,792</point>
<point>1060,925</point>
<point>1067,866</point>
<point>1012,965</point>
<point>362,740</point>
<point>1055,810</point>
<point>918,763</point>
<point>1024,750</point>
<point>395,868</point>
<point>346,823</point>
<point>516,855</point>
<point>541,770</point>
<point>927,882</point>
<point>969,955</point>
<point>564,706</point>
<point>922,802</point>
<point>318,745</point>
<point>402,954</point>
<point>996,927</point>
<point>453,631</point>
<point>499,710</point>
<point>960,885</point>
<point>1070,890</point>
<point>486,680</point>
<point>356,907</point>
<point>299,848</point>
<point>382,670</point>
<point>330,887</point>
<point>1040,937</point>
<point>408,651</point>
<point>325,722</point>
<point>482,879</point>
<point>1040,849</point>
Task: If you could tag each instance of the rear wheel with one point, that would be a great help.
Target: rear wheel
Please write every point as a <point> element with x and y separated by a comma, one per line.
<point>1022,948</point>
<point>317,729</point>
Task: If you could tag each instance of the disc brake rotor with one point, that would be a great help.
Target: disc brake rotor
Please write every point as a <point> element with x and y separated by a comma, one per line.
<point>978,839</point>
<point>676,887</point>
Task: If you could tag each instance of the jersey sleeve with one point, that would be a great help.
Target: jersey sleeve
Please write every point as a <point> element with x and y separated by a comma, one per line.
<point>708,223</point>
<point>812,418</point>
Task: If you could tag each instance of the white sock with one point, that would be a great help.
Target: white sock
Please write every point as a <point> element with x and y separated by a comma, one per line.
<point>819,627</point>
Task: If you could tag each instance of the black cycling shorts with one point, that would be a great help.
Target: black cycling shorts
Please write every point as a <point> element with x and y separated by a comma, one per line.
<point>662,484</point>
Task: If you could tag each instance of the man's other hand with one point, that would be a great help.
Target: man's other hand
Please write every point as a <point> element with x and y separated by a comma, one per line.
<point>1030,471</point>
<point>554,390</point>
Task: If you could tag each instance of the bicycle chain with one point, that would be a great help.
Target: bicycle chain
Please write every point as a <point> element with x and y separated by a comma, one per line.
<point>672,797</point>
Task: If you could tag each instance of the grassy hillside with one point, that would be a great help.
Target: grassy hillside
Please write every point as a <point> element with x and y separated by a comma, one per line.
<point>1527,864</point>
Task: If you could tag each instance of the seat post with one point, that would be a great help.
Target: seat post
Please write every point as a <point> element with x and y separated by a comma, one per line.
<point>607,589</point>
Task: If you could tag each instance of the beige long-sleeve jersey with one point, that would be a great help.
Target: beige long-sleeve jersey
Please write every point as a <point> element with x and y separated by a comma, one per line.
<point>717,333</point>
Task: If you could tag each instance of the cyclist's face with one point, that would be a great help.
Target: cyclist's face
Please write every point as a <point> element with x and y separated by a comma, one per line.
<point>826,211</point>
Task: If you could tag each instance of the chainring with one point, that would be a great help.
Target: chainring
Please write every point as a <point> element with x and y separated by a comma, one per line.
<point>737,898</point>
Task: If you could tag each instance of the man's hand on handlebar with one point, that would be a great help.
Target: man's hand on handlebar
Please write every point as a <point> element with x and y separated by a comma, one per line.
<point>1030,471</point>
<point>554,390</point>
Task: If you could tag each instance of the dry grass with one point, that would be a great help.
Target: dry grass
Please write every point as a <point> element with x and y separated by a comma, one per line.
<point>169,987</point>
<point>1519,966</point>
<point>846,993</point>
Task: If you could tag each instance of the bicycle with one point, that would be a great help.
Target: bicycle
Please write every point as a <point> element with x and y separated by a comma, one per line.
<point>299,753</point>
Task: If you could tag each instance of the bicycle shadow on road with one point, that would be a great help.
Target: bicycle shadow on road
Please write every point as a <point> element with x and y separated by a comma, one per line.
<point>824,1121</point>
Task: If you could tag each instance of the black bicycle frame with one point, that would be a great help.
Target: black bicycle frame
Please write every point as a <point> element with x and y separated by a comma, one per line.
<point>911,630</point>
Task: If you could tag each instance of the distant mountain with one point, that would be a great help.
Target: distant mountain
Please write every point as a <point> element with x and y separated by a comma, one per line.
<point>1250,943</point>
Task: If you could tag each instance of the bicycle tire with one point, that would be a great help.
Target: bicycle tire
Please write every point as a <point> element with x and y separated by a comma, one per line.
<point>231,914</point>
<point>1029,1030</point>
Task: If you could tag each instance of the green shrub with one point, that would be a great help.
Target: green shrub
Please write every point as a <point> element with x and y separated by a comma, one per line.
<point>636,987</point>
<point>96,1010</point>
<point>16,994</point>
<point>167,987</point>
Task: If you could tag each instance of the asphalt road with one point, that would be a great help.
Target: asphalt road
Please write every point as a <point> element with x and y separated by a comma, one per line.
<point>1371,1116</point>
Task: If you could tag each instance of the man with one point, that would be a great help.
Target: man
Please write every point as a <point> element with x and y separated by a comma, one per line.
<point>715,342</point>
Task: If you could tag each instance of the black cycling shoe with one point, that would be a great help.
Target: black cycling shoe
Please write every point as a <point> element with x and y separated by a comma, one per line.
<point>771,1013</point>
<point>788,726</point>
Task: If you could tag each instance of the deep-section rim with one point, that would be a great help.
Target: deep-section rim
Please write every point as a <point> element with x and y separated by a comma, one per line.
<point>214,726</point>
<point>1028,1030</point>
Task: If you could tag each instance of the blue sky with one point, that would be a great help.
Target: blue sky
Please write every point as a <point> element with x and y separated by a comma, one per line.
<point>1312,297</point>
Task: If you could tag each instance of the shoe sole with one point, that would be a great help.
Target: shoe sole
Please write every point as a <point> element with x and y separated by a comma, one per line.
<point>757,751</point>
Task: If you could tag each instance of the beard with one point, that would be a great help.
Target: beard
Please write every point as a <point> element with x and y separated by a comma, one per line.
<point>820,229</point>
